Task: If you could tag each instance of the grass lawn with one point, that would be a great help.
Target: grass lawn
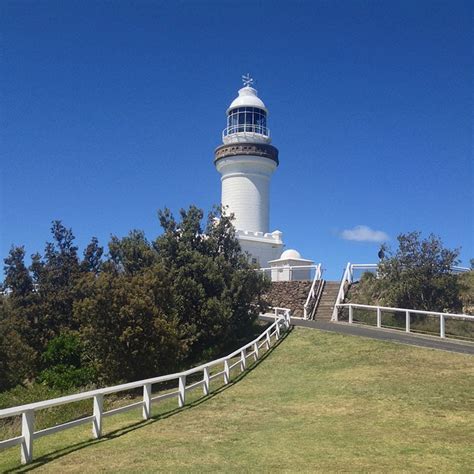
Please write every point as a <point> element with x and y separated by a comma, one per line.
<point>318,402</point>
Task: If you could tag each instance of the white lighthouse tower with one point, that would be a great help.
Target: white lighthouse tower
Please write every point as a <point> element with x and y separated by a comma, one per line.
<point>246,161</point>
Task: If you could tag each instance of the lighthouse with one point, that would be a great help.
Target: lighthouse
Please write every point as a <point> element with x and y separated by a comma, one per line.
<point>246,161</point>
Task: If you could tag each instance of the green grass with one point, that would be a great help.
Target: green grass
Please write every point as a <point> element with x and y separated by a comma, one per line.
<point>318,402</point>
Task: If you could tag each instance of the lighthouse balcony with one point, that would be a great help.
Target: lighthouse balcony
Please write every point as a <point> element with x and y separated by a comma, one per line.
<point>246,133</point>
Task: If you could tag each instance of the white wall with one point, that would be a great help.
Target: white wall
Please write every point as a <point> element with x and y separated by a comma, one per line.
<point>263,250</point>
<point>245,190</point>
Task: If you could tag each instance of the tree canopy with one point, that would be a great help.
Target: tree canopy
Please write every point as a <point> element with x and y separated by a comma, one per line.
<point>417,274</point>
<point>143,308</point>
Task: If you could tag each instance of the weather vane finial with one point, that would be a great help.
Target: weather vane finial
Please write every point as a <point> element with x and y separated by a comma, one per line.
<point>247,80</point>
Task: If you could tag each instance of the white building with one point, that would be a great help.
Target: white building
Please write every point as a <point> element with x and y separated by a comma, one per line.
<point>290,267</point>
<point>246,161</point>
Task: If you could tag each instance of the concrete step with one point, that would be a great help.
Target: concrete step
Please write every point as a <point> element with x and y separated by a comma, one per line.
<point>326,303</point>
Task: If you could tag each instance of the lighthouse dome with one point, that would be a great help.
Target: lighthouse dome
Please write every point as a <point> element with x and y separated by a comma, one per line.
<point>246,117</point>
<point>247,98</point>
<point>290,254</point>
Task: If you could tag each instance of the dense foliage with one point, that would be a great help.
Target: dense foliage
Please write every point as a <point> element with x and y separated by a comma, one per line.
<point>416,275</point>
<point>143,309</point>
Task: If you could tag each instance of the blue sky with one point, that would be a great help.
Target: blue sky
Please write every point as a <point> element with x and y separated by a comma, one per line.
<point>112,110</point>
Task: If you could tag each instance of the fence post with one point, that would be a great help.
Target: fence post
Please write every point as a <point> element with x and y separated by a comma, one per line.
<point>182,391</point>
<point>350,314</point>
<point>243,360</point>
<point>277,329</point>
<point>442,326</point>
<point>255,351</point>
<point>27,431</point>
<point>287,319</point>
<point>379,317</point>
<point>97,413</point>
<point>268,340</point>
<point>226,372</point>
<point>205,386</point>
<point>147,401</point>
<point>407,321</point>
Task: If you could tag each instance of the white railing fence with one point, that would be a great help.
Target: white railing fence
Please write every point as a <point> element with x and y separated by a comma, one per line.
<point>346,280</point>
<point>281,313</point>
<point>354,271</point>
<point>292,272</point>
<point>246,128</point>
<point>357,269</point>
<point>312,296</point>
<point>379,310</point>
<point>27,412</point>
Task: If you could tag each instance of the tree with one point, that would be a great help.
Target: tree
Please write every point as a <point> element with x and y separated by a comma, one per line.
<point>145,309</point>
<point>131,254</point>
<point>417,275</point>
<point>466,282</point>
<point>128,326</point>
<point>17,276</point>
<point>217,292</point>
<point>17,358</point>
<point>92,261</point>
<point>55,277</point>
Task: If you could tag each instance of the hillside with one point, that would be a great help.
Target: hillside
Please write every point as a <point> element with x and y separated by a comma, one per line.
<point>319,401</point>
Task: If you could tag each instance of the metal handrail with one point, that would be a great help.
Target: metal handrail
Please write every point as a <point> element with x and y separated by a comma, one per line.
<point>287,271</point>
<point>246,128</point>
<point>346,276</point>
<point>318,298</point>
<point>286,267</point>
<point>317,277</point>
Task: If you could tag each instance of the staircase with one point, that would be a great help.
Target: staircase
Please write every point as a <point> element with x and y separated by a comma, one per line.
<point>326,303</point>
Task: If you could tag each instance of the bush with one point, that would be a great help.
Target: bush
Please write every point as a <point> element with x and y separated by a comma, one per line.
<point>63,363</point>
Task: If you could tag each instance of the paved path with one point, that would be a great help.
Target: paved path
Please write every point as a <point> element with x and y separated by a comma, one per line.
<point>385,335</point>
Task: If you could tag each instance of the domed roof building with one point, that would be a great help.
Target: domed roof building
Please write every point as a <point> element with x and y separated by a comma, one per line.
<point>290,254</point>
<point>290,266</point>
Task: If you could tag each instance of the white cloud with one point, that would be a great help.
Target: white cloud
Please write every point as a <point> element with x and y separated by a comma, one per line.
<point>363,233</point>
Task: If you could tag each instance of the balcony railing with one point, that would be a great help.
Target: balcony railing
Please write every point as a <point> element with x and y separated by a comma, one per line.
<point>246,128</point>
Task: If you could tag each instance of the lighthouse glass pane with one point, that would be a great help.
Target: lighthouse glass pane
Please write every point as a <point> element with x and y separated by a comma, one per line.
<point>247,119</point>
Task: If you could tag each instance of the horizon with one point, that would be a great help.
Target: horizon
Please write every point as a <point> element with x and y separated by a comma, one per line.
<point>111,113</point>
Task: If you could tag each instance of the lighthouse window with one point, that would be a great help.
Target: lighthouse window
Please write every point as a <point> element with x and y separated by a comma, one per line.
<point>247,119</point>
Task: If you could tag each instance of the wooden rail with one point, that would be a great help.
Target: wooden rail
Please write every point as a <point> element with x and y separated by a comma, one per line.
<point>27,412</point>
<point>408,312</point>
